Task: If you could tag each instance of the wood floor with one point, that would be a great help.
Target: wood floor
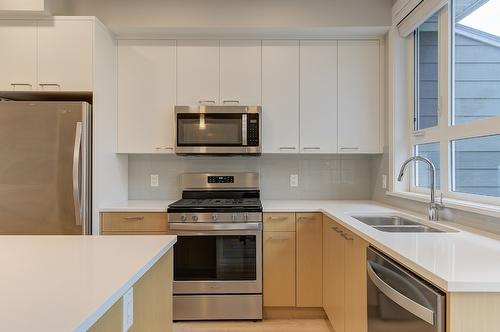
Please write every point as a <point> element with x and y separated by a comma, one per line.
<point>268,325</point>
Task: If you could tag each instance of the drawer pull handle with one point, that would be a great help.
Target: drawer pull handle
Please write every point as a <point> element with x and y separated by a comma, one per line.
<point>206,101</point>
<point>133,218</point>
<point>349,148</point>
<point>338,230</point>
<point>231,102</point>
<point>50,84</point>
<point>164,148</point>
<point>278,218</point>
<point>306,218</point>
<point>278,238</point>
<point>288,147</point>
<point>345,236</point>
<point>312,148</point>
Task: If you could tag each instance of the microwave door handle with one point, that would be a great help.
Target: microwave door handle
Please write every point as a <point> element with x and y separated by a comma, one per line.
<point>244,129</point>
<point>408,304</point>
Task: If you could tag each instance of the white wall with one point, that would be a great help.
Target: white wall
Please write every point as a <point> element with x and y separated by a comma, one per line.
<point>144,14</point>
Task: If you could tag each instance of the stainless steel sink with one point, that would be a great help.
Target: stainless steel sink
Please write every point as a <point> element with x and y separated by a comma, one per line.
<point>409,229</point>
<point>398,224</point>
<point>386,221</point>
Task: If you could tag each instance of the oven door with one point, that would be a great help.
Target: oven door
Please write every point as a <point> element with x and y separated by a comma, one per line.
<point>217,258</point>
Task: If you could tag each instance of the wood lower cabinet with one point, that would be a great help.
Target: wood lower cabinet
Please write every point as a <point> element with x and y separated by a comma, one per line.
<point>309,276</point>
<point>344,278</point>
<point>152,302</point>
<point>116,223</point>
<point>279,269</point>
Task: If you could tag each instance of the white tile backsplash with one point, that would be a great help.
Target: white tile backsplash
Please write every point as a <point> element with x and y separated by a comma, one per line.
<point>320,177</point>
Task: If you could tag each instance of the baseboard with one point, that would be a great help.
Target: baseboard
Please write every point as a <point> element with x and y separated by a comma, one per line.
<point>293,313</point>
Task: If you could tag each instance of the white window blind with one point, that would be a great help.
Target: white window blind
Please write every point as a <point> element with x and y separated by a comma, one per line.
<point>411,15</point>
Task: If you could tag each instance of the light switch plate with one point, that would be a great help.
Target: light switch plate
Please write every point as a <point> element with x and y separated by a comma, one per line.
<point>384,181</point>
<point>155,180</point>
<point>294,180</point>
<point>128,309</point>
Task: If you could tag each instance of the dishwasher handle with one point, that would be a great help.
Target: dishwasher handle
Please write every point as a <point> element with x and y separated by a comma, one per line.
<point>415,308</point>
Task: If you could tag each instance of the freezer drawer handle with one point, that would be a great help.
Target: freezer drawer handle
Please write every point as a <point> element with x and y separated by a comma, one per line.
<point>415,308</point>
<point>76,174</point>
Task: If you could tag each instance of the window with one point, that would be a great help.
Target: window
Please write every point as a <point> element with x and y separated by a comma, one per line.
<point>476,60</point>
<point>456,101</point>
<point>426,78</point>
<point>476,165</point>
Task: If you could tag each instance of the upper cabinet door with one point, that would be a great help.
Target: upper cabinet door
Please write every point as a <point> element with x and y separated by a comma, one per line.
<point>146,96</point>
<point>318,96</point>
<point>359,96</point>
<point>65,55</point>
<point>240,72</point>
<point>197,71</point>
<point>18,55</point>
<point>280,96</point>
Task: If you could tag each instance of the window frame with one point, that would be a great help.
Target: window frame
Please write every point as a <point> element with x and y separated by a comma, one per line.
<point>445,132</point>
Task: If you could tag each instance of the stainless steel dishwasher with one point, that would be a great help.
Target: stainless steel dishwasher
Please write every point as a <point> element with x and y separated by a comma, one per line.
<point>398,300</point>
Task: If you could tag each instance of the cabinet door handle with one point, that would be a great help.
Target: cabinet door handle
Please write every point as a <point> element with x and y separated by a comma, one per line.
<point>164,148</point>
<point>312,148</point>
<point>349,148</point>
<point>338,230</point>
<point>306,218</point>
<point>133,218</point>
<point>230,101</point>
<point>24,84</point>
<point>206,101</point>
<point>287,148</point>
<point>50,84</point>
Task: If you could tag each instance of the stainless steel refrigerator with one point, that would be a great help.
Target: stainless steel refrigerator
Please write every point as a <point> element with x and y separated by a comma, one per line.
<point>45,167</point>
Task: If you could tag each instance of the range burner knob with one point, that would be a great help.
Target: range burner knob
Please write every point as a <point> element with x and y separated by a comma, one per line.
<point>183,217</point>
<point>194,218</point>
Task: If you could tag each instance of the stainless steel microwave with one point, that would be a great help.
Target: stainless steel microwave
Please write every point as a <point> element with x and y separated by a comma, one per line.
<point>218,129</point>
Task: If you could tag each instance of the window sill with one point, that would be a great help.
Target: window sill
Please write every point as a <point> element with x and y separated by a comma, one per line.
<point>473,207</point>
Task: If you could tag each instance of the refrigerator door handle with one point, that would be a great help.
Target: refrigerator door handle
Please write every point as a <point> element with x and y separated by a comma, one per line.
<point>76,174</point>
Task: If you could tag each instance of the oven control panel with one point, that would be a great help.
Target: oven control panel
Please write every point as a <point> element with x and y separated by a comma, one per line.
<point>221,179</point>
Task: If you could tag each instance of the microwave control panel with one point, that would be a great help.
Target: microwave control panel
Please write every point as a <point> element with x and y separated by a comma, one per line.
<point>253,129</point>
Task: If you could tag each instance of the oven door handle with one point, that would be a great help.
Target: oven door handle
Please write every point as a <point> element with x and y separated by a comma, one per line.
<point>215,227</point>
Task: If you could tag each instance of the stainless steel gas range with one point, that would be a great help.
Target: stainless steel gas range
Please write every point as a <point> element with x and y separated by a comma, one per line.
<point>218,254</point>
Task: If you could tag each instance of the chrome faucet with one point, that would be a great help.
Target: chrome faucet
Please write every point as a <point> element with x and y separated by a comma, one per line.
<point>433,206</point>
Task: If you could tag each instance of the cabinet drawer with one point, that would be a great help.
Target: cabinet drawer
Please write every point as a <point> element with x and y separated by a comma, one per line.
<point>279,222</point>
<point>134,222</point>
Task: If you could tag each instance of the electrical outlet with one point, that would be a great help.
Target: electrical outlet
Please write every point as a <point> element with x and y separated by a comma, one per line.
<point>128,309</point>
<point>294,180</point>
<point>384,181</point>
<point>155,180</point>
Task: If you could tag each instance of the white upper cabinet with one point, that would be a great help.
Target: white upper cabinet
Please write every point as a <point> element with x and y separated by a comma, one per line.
<point>280,96</point>
<point>359,96</point>
<point>146,96</point>
<point>318,96</point>
<point>17,55</point>
<point>198,71</point>
<point>47,55</point>
<point>65,55</point>
<point>240,71</point>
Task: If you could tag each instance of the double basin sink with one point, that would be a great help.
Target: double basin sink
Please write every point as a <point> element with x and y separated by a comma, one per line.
<point>398,224</point>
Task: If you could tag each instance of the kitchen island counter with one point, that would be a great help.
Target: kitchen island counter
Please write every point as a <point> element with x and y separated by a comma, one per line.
<point>67,283</point>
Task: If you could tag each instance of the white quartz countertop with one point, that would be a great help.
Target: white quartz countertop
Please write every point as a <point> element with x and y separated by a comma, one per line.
<point>462,261</point>
<point>66,283</point>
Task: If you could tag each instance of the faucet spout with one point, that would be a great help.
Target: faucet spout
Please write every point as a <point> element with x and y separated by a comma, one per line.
<point>433,207</point>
